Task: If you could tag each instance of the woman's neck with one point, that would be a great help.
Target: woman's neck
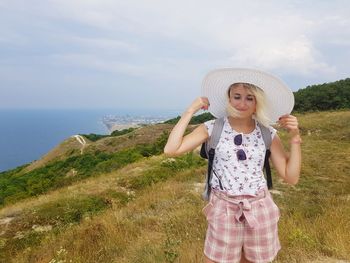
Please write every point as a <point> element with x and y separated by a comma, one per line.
<point>246,125</point>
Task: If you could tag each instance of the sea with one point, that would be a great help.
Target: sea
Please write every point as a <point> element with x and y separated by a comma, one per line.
<point>28,134</point>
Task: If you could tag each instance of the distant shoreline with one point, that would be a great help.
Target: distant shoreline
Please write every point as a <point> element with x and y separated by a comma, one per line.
<point>118,122</point>
<point>31,133</point>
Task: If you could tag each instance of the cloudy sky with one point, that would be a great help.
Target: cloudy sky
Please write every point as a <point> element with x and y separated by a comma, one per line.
<point>155,53</point>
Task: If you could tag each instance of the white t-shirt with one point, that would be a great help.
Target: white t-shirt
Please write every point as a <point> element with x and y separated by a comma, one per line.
<point>233,176</point>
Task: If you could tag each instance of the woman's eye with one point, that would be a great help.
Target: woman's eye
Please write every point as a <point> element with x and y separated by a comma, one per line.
<point>250,98</point>
<point>236,97</point>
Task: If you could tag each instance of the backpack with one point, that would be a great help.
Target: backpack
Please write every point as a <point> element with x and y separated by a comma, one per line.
<point>208,152</point>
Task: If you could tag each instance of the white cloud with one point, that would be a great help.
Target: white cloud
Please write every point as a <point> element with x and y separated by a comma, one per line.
<point>164,41</point>
<point>104,43</point>
<point>297,56</point>
<point>157,70</point>
<point>250,33</point>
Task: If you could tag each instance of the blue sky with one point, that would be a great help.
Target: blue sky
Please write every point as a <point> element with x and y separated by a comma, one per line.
<point>155,53</point>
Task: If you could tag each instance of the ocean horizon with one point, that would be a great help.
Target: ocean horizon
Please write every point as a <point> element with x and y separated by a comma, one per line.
<point>28,134</point>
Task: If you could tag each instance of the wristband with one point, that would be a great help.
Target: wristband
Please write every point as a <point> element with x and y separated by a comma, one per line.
<point>296,141</point>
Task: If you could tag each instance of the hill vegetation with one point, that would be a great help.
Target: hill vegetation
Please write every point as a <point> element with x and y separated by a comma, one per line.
<point>197,119</point>
<point>95,137</point>
<point>327,96</point>
<point>15,185</point>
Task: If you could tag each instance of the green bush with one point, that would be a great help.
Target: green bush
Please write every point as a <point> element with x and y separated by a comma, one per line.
<point>148,178</point>
<point>155,148</point>
<point>122,132</point>
<point>198,119</point>
<point>184,162</point>
<point>95,137</point>
<point>165,170</point>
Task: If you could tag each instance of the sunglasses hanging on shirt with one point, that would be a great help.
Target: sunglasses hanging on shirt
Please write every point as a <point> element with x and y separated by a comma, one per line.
<point>241,156</point>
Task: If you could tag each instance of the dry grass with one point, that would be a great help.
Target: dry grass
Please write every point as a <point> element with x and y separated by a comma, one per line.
<point>163,222</point>
<point>144,228</point>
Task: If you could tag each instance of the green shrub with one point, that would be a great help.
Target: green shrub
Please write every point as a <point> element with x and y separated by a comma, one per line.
<point>165,170</point>
<point>122,132</point>
<point>148,178</point>
<point>155,148</point>
<point>184,162</point>
<point>194,120</point>
<point>95,137</point>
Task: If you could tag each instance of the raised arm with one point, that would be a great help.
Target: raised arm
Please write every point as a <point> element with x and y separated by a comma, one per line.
<point>177,143</point>
<point>288,165</point>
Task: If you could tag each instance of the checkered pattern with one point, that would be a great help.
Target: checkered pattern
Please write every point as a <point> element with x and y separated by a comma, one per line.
<point>251,226</point>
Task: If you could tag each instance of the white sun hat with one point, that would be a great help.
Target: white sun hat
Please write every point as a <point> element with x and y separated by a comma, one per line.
<point>279,97</point>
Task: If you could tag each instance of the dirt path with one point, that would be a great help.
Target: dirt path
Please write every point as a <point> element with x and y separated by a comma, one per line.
<point>82,141</point>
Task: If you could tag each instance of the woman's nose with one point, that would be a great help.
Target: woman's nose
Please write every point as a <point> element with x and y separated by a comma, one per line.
<point>242,103</point>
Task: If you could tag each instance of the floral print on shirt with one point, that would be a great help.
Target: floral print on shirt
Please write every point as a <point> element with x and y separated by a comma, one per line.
<point>233,176</point>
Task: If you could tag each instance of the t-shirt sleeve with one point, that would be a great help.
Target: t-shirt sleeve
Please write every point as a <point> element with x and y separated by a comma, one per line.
<point>273,132</point>
<point>209,125</point>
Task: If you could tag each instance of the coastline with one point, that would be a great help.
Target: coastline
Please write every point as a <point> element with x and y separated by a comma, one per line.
<point>28,134</point>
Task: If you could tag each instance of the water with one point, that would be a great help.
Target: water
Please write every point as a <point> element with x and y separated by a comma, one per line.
<point>26,135</point>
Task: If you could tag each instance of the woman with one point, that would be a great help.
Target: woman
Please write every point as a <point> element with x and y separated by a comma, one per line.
<point>242,217</point>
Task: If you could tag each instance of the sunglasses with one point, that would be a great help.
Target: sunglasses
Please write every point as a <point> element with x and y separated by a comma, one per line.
<point>241,156</point>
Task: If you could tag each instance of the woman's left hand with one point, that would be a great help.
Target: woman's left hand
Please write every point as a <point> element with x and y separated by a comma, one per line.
<point>290,123</point>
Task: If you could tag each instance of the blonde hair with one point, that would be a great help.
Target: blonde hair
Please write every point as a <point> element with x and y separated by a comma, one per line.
<point>261,106</point>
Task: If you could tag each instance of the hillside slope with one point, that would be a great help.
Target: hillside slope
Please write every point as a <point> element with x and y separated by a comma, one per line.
<point>71,146</point>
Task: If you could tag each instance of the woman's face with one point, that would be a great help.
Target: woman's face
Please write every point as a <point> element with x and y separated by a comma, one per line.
<point>242,100</point>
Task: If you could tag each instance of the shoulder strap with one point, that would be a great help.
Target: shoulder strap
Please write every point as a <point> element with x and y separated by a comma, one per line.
<point>216,133</point>
<point>210,146</point>
<point>267,140</point>
<point>266,134</point>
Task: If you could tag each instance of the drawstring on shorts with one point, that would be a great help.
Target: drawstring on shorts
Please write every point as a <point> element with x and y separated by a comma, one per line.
<point>244,206</point>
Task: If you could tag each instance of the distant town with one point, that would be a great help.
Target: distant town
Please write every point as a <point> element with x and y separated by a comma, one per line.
<point>114,123</point>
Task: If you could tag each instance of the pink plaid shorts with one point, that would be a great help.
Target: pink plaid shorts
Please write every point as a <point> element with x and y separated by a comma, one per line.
<point>237,223</point>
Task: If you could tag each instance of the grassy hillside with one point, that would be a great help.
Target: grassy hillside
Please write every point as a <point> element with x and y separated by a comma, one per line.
<point>70,162</point>
<point>108,144</point>
<point>150,210</point>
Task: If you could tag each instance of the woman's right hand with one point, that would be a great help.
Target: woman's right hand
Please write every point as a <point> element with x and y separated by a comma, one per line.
<point>199,103</point>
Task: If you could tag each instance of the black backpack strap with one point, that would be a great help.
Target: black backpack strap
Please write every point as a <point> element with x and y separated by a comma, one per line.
<point>266,134</point>
<point>268,169</point>
<point>210,147</point>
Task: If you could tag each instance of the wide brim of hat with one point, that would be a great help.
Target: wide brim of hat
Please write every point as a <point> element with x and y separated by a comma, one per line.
<point>279,97</point>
